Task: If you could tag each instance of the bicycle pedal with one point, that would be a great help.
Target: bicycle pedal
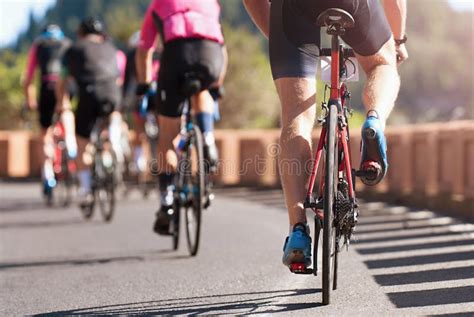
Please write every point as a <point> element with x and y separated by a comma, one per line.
<point>300,268</point>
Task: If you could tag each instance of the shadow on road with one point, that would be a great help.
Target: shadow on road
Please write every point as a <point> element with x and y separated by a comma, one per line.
<point>414,250</point>
<point>94,261</point>
<point>249,304</point>
<point>22,205</point>
<point>45,224</point>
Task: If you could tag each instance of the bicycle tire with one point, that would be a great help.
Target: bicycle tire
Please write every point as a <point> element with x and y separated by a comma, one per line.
<point>329,195</point>
<point>193,209</point>
<point>64,181</point>
<point>176,224</point>
<point>105,192</point>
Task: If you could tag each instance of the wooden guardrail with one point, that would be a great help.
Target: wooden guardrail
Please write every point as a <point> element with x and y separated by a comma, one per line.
<point>431,165</point>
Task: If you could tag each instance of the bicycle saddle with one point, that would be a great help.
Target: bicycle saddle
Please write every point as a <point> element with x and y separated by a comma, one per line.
<point>191,85</point>
<point>335,18</point>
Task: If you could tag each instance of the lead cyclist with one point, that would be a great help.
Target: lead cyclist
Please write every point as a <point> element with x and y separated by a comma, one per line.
<point>378,40</point>
<point>193,42</point>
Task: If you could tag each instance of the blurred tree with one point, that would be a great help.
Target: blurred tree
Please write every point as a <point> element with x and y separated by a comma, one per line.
<point>250,100</point>
<point>12,67</point>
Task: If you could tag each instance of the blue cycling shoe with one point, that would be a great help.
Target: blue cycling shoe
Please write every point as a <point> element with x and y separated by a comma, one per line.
<point>297,248</point>
<point>374,163</point>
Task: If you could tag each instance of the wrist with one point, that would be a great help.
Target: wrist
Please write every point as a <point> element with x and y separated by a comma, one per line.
<point>142,88</point>
<point>401,40</point>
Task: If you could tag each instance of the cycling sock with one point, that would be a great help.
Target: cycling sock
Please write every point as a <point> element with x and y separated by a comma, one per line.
<point>165,181</point>
<point>85,181</point>
<point>205,121</point>
<point>140,161</point>
<point>48,173</point>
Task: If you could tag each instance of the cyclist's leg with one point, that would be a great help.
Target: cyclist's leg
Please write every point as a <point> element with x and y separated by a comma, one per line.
<point>210,61</point>
<point>47,103</point>
<point>85,118</point>
<point>372,40</point>
<point>293,50</point>
<point>383,81</point>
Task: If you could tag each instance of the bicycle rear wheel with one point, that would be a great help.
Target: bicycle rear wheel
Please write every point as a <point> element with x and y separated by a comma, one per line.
<point>105,191</point>
<point>330,185</point>
<point>195,184</point>
<point>65,182</point>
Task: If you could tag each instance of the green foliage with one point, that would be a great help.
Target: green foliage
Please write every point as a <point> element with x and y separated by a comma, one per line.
<point>11,93</point>
<point>250,100</point>
<point>437,80</point>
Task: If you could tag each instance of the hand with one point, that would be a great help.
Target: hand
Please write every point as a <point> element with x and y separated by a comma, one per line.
<point>58,108</point>
<point>32,104</point>
<point>142,89</point>
<point>402,53</point>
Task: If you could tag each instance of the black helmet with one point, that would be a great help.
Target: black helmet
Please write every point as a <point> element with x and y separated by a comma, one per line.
<point>91,25</point>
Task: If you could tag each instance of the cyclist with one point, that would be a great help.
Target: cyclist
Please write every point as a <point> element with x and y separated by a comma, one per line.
<point>46,54</point>
<point>193,42</point>
<point>378,39</point>
<point>131,103</point>
<point>93,64</point>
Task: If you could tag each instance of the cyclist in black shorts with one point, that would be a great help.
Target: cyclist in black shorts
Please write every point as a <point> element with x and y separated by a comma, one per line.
<point>378,39</point>
<point>92,62</point>
<point>193,43</point>
<point>46,54</point>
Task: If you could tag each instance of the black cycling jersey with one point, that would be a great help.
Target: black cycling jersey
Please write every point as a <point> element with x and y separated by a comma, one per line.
<point>49,54</point>
<point>94,67</point>
<point>89,62</point>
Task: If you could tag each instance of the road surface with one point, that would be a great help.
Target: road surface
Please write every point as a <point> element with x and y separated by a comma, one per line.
<point>404,262</point>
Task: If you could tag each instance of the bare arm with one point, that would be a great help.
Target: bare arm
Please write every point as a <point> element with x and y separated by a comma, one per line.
<point>63,101</point>
<point>259,11</point>
<point>396,12</point>
<point>143,61</point>
<point>30,95</point>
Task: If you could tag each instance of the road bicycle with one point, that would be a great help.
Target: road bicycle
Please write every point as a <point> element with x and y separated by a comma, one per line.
<point>64,168</point>
<point>192,184</point>
<point>334,201</point>
<point>151,130</point>
<point>103,171</point>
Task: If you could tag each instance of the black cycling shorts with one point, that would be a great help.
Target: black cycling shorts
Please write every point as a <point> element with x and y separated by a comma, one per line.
<point>295,41</point>
<point>202,57</point>
<point>95,101</point>
<point>47,103</point>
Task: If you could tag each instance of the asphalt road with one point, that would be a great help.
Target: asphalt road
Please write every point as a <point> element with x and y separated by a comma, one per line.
<point>405,262</point>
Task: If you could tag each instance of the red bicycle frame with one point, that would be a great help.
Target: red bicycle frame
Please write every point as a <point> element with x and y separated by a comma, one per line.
<point>338,97</point>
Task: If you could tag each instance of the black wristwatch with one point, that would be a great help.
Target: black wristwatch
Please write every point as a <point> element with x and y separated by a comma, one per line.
<point>401,41</point>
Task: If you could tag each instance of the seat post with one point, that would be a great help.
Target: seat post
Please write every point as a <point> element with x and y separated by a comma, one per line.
<point>335,67</point>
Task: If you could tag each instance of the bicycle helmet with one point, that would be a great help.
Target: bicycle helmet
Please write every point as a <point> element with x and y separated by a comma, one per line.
<point>52,32</point>
<point>91,25</point>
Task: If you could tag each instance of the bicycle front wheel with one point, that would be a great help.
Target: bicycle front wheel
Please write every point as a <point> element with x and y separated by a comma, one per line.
<point>330,185</point>
<point>195,176</point>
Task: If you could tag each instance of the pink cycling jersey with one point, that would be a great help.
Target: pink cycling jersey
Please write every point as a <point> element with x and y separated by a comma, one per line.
<point>182,19</point>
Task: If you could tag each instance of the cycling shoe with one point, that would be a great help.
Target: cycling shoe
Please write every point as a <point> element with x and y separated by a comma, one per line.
<point>374,152</point>
<point>163,219</point>
<point>297,248</point>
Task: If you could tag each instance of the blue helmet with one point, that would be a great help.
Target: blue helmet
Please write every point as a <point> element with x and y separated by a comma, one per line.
<point>52,32</point>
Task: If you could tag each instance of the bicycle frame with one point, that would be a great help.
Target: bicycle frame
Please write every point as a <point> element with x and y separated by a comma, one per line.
<point>338,96</point>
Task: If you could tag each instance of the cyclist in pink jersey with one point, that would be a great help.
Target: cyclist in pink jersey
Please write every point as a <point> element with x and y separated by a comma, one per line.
<point>193,42</point>
<point>46,54</point>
